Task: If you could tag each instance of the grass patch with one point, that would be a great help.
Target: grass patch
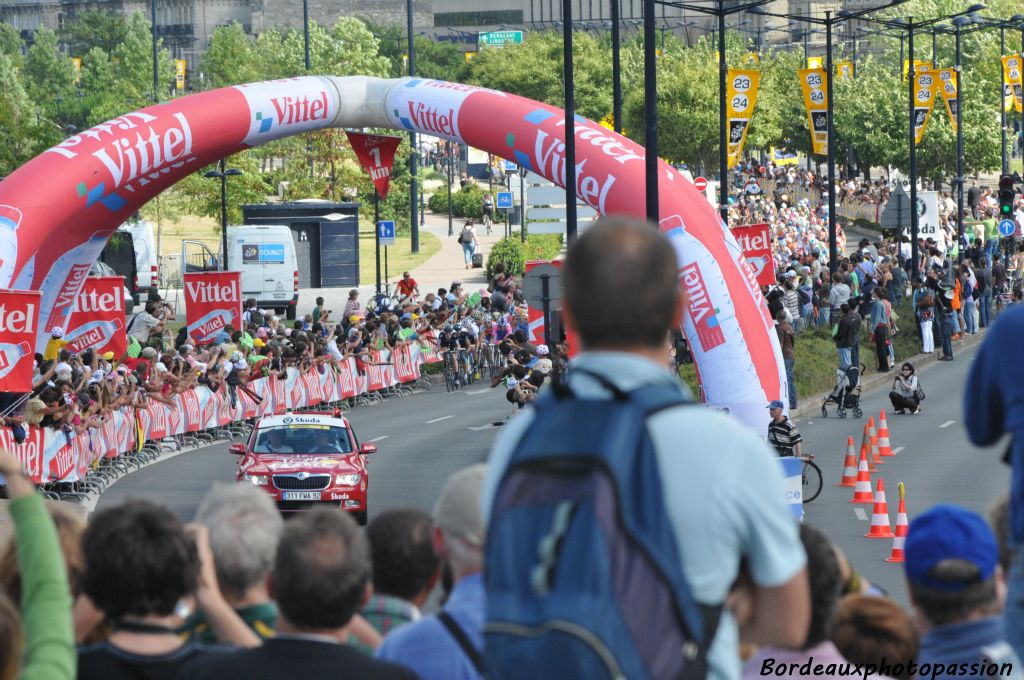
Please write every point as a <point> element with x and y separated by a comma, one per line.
<point>817,359</point>
<point>191,227</point>
<point>400,256</point>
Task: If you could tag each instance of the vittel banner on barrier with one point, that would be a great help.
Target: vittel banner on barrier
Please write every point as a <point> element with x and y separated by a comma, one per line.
<point>19,317</point>
<point>97,317</point>
<point>213,300</point>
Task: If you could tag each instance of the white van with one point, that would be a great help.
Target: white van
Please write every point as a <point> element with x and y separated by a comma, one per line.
<point>265,254</point>
<point>147,261</point>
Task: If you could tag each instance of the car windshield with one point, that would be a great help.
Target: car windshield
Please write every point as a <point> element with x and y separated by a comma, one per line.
<point>303,439</point>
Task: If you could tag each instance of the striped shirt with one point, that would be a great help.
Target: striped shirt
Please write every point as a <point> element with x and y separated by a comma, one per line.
<point>783,435</point>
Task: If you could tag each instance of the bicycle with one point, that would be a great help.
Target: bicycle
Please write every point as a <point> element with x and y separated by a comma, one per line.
<point>487,220</point>
<point>810,477</point>
<point>450,370</point>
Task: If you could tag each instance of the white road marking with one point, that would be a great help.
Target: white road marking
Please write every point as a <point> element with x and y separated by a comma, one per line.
<point>488,426</point>
<point>946,424</point>
<point>377,439</point>
<point>861,515</point>
<point>437,420</point>
<point>898,449</point>
<point>487,389</point>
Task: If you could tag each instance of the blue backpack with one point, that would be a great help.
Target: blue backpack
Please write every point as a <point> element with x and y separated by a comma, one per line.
<point>583,573</point>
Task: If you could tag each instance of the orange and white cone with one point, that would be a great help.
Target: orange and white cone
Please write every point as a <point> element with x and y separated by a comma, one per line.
<point>865,447</point>
<point>901,530</point>
<point>862,490</point>
<point>849,466</point>
<point>884,447</point>
<point>876,459</point>
<point>880,515</point>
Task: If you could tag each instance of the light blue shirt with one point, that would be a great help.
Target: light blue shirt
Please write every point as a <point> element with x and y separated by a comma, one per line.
<point>426,646</point>
<point>722,484</point>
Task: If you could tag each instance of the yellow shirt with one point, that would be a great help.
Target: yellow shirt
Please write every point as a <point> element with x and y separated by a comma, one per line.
<point>53,348</point>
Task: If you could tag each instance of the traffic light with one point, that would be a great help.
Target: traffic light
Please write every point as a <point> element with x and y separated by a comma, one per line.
<point>1006,197</point>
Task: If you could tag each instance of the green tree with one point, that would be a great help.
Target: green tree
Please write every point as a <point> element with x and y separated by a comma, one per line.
<point>11,43</point>
<point>199,195</point>
<point>93,28</point>
<point>230,59</point>
<point>19,132</point>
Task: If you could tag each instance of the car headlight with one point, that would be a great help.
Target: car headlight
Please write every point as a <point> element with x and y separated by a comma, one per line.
<point>347,480</point>
<point>258,480</point>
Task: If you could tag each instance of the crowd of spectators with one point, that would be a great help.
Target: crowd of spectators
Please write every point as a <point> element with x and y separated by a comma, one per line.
<point>77,391</point>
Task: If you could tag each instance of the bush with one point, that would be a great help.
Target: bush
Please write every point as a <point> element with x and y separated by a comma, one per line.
<point>514,254</point>
<point>466,202</point>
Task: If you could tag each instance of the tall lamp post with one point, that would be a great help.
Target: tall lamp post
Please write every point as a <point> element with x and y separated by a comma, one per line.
<point>222,174</point>
<point>414,151</point>
<point>156,79</point>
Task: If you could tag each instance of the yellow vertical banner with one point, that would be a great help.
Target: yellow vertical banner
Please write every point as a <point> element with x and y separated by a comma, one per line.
<point>925,83</point>
<point>918,67</point>
<point>179,74</point>
<point>814,87</point>
<point>741,97</point>
<point>947,83</point>
<point>844,69</point>
<point>77,63</point>
<point>1012,80</point>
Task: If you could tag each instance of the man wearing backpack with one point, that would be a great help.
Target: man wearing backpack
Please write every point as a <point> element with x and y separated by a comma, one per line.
<point>619,513</point>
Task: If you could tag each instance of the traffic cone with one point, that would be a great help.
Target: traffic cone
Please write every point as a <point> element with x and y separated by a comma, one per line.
<point>884,448</point>
<point>876,459</point>
<point>862,490</point>
<point>901,530</point>
<point>865,447</point>
<point>849,466</point>
<point>880,515</point>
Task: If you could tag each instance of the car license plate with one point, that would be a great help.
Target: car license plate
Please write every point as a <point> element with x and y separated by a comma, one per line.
<point>300,495</point>
<point>279,295</point>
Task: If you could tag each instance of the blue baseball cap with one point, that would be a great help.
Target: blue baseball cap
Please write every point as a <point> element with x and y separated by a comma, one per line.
<point>776,404</point>
<point>949,532</point>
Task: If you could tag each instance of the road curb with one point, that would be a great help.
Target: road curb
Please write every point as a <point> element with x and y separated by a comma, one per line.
<point>812,404</point>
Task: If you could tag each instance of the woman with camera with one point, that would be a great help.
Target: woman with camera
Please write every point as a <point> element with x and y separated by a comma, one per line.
<point>906,392</point>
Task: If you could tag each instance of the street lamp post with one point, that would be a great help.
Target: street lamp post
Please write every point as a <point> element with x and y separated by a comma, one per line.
<point>957,23</point>
<point>833,254</point>
<point>911,139</point>
<point>413,152</point>
<point>156,79</point>
<point>616,70</point>
<point>569,87</point>
<point>222,174</point>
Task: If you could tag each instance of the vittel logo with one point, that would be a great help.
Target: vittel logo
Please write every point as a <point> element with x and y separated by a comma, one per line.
<point>749,242</point>
<point>18,320</point>
<point>96,301</point>
<point>430,119</point>
<point>202,291</point>
<point>702,312</point>
<point>295,110</point>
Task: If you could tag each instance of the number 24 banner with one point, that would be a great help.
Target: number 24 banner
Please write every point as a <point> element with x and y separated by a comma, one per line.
<point>1012,79</point>
<point>741,96</point>
<point>947,76</point>
<point>925,83</point>
<point>813,84</point>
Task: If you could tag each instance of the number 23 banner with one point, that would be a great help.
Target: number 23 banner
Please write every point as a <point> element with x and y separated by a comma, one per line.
<point>813,84</point>
<point>741,96</point>
<point>924,101</point>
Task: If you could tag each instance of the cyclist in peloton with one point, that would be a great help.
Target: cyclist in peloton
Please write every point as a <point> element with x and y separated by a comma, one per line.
<point>782,434</point>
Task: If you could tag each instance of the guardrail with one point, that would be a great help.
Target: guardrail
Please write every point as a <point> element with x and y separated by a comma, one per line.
<point>51,456</point>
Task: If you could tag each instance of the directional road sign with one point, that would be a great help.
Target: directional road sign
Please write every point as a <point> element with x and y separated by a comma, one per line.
<point>386,232</point>
<point>499,38</point>
<point>504,200</point>
<point>1007,227</point>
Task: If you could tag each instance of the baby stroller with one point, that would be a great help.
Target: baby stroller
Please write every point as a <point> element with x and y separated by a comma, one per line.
<point>846,394</point>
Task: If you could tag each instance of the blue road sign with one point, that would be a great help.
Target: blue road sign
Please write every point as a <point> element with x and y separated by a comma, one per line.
<point>510,166</point>
<point>386,232</point>
<point>1007,227</point>
<point>504,200</point>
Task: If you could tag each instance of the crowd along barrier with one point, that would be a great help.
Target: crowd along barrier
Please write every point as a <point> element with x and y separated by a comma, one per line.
<point>51,455</point>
